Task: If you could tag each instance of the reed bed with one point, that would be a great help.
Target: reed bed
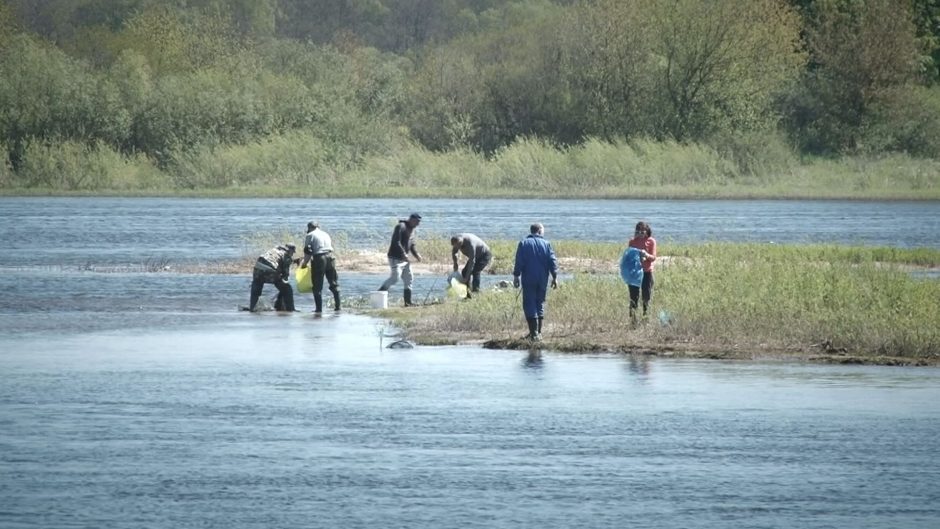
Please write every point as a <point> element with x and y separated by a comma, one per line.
<point>853,303</point>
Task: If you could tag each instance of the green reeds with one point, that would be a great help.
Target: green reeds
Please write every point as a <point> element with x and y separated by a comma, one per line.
<point>749,299</point>
<point>301,164</point>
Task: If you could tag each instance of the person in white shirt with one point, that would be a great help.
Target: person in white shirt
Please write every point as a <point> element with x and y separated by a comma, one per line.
<point>318,249</point>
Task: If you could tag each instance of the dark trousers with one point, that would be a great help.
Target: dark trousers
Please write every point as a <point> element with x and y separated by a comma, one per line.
<point>533,298</point>
<point>324,266</point>
<point>474,274</point>
<point>285,291</point>
<point>646,289</point>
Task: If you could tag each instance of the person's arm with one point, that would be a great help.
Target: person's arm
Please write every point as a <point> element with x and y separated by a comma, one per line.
<point>651,254</point>
<point>396,241</point>
<point>454,256</point>
<point>553,266</point>
<point>413,247</point>
<point>518,267</point>
<point>471,262</point>
<point>285,268</point>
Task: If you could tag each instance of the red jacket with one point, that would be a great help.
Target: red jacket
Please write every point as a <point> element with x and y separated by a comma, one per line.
<point>648,244</point>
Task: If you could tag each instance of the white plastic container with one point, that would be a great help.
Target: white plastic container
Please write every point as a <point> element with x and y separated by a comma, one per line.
<point>378,299</point>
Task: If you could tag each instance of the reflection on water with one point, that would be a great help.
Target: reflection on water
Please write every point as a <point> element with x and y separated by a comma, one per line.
<point>533,360</point>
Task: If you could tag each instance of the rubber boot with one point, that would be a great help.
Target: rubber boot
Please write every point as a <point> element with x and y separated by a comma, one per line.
<point>288,295</point>
<point>335,300</point>
<point>318,302</point>
<point>633,316</point>
<point>533,328</point>
<point>539,328</point>
<point>408,302</point>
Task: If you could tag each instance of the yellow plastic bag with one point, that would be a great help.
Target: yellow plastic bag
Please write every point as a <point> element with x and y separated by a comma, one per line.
<point>455,287</point>
<point>303,279</point>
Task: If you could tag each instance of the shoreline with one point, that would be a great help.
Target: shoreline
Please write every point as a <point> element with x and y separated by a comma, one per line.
<point>653,193</point>
<point>815,354</point>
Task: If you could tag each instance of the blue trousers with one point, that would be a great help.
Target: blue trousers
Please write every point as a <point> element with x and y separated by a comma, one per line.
<point>533,298</point>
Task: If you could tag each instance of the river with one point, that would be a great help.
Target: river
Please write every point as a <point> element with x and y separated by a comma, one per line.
<point>135,399</point>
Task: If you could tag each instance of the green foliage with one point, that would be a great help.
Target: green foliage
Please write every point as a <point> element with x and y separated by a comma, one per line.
<point>479,97</point>
<point>70,165</point>
<point>747,297</point>
<point>47,96</point>
<point>906,119</point>
<point>862,52</point>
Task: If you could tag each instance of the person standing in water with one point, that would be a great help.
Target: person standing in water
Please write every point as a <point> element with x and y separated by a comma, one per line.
<point>318,249</point>
<point>273,266</point>
<point>403,244</point>
<point>478,258</point>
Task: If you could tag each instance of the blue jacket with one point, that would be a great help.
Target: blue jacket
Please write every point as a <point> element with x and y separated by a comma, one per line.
<point>535,260</point>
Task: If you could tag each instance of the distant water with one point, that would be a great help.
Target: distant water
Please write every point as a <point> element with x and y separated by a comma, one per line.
<point>113,231</point>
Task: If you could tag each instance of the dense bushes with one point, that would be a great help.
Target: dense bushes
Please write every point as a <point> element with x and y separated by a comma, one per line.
<point>586,96</point>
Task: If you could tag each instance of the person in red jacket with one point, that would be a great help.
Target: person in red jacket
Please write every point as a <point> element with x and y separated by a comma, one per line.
<point>643,240</point>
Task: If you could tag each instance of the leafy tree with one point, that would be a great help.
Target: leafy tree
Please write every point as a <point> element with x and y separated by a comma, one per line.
<point>861,52</point>
<point>46,95</point>
<point>722,63</point>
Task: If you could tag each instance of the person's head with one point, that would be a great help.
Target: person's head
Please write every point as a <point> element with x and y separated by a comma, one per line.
<point>456,241</point>
<point>642,230</point>
<point>290,248</point>
<point>312,225</point>
<point>537,229</point>
<point>414,219</point>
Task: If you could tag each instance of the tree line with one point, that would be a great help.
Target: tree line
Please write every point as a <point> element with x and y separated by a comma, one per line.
<point>342,80</point>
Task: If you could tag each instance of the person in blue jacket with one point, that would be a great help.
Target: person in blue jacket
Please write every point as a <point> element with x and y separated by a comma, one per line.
<point>535,261</point>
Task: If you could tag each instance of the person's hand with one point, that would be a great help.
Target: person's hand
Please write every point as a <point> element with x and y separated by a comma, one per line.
<point>303,266</point>
<point>515,282</point>
<point>554,282</point>
<point>455,268</point>
<point>418,257</point>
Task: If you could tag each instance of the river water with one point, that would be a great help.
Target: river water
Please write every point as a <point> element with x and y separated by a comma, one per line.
<point>133,399</point>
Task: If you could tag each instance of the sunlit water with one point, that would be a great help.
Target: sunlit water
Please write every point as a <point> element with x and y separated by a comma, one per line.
<point>115,231</point>
<point>292,421</point>
<point>133,399</point>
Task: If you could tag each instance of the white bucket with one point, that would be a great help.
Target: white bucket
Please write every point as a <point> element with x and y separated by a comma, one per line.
<point>378,299</point>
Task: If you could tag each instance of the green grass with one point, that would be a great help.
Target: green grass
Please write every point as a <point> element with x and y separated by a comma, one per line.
<point>299,165</point>
<point>861,303</point>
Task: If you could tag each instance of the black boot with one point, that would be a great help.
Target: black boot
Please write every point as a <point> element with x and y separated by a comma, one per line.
<point>336,300</point>
<point>408,302</point>
<point>533,328</point>
<point>318,302</point>
<point>539,327</point>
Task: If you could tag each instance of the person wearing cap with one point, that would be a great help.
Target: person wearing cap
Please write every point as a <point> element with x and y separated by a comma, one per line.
<point>478,258</point>
<point>273,266</point>
<point>535,261</point>
<point>318,248</point>
<point>403,244</point>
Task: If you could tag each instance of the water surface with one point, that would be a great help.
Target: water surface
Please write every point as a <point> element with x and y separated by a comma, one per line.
<point>137,399</point>
<point>269,421</point>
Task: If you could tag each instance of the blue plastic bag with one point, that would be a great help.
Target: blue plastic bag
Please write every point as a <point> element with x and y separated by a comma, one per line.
<point>631,267</point>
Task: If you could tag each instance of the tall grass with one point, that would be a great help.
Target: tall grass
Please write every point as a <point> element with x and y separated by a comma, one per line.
<point>301,164</point>
<point>744,298</point>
